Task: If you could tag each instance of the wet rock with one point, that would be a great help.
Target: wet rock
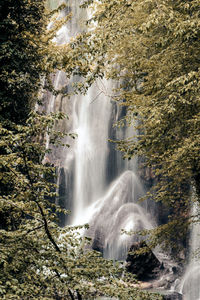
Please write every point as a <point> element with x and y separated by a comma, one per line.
<point>145,265</point>
<point>168,278</point>
<point>98,241</point>
<point>172,296</point>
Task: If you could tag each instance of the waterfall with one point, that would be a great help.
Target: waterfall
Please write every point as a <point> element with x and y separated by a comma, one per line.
<point>106,189</point>
<point>95,183</point>
<point>91,116</point>
<point>190,286</point>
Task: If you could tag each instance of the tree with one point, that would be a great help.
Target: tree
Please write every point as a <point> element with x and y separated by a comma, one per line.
<point>152,49</point>
<point>40,260</point>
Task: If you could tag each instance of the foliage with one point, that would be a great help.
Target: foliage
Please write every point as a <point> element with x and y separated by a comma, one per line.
<point>152,49</point>
<point>40,260</point>
<point>28,55</point>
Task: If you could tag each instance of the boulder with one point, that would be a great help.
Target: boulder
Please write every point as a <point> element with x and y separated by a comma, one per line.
<point>98,241</point>
<point>172,296</point>
<point>142,262</point>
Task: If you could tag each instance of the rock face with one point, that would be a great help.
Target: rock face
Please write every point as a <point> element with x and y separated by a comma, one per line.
<point>145,264</point>
<point>173,296</point>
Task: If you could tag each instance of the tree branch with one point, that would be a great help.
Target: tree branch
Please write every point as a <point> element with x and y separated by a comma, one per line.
<point>50,237</point>
<point>79,295</point>
<point>71,295</point>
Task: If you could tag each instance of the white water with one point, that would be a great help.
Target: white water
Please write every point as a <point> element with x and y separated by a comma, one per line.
<point>107,206</point>
<point>91,115</point>
<point>190,284</point>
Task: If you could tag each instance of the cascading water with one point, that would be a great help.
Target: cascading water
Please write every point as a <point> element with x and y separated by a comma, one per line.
<point>95,183</point>
<point>190,286</point>
<point>91,116</point>
<point>107,205</point>
<point>115,211</point>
